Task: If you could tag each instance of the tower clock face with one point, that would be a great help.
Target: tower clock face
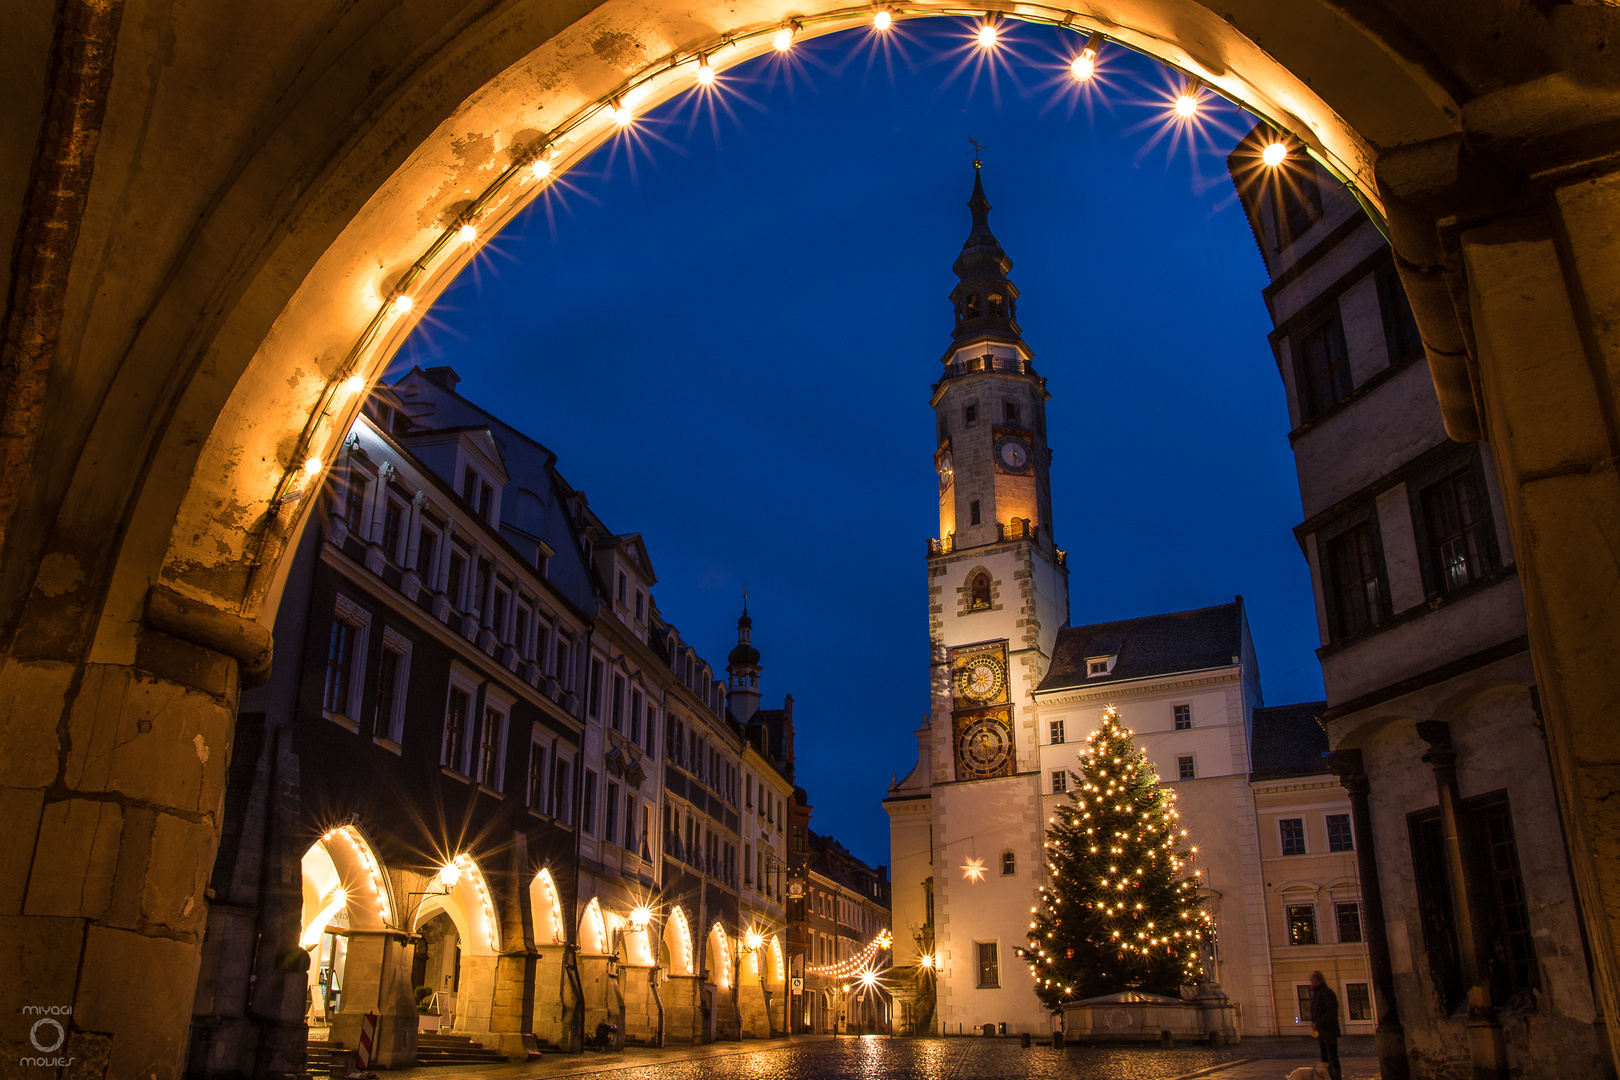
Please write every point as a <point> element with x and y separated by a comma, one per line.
<point>946,473</point>
<point>984,748</point>
<point>1012,453</point>
<point>981,679</point>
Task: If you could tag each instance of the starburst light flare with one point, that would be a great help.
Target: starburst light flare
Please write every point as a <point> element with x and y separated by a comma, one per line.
<point>973,870</point>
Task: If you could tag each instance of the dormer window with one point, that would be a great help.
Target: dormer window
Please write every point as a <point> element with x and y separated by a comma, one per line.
<point>1099,665</point>
<point>476,492</point>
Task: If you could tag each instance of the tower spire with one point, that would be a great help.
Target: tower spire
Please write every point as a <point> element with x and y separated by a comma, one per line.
<point>986,301</point>
<point>743,666</point>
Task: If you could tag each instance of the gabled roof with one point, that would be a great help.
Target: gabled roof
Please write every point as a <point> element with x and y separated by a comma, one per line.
<point>636,548</point>
<point>1288,741</point>
<point>1177,641</point>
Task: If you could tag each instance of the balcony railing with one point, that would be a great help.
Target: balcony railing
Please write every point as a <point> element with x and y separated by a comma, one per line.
<point>973,365</point>
<point>1016,529</point>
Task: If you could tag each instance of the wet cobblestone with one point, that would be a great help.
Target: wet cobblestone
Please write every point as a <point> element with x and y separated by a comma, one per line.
<point>921,1059</point>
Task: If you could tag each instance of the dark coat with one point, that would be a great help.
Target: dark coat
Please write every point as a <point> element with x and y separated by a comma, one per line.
<point>1325,1011</point>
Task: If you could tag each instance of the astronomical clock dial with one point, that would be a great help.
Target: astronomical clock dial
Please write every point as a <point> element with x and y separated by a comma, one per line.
<point>984,747</point>
<point>1012,454</point>
<point>946,473</point>
<point>982,679</point>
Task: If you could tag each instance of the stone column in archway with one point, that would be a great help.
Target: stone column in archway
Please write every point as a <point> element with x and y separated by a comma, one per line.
<point>377,979</point>
<point>1508,237</point>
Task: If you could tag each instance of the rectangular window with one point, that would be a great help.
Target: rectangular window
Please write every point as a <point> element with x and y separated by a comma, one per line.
<point>538,754</point>
<point>1055,728</point>
<point>623,585</point>
<point>1347,917</point>
<point>455,728</point>
<point>1302,995</point>
<point>458,578</point>
<point>480,585</point>
<point>587,812</point>
<point>1184,768</point>
<point>635,716</point>
<point>618,703</point>
<point>973,512</point>
<point>989,966</point>
<point>390,718</point>
<point>354,499</point>
<point>339,667</point>
<point>1507,907</point>
<point>1060,781</point>
<point>971,414</point>
<point>1455,512</point>
<point>641,605</point>
<point>610,813</point>
<point>1358,1001</point>
<point>564,675</point>
<point>489,749</point>
<point>1400,327</point>
<point>1322,366</point>
<point>1301,925</point>
<point>1340,836</point>
<point>1293,835</point>
<point>498,620</point>
<point>1183,717</point>
<point>426,543</point>
<point>469,487</point>
<point>486,502</point>
<point>593,694</point>
<point>1010,412</point>
<point>630,843</point>
<point>1356,585</point>
<point>393,525</point>
<point>562,791</point>
<point>520,632</point>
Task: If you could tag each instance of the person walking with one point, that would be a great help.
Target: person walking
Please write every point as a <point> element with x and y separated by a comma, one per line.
<point>1325,1022</point>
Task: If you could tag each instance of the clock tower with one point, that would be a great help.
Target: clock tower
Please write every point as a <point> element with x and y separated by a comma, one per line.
<point>966,825</point>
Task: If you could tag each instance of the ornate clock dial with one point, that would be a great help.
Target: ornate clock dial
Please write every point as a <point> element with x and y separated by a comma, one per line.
<point>946,474</point>
<point>981,679</point>
<point>984,747</point>
<point>1012,453</point>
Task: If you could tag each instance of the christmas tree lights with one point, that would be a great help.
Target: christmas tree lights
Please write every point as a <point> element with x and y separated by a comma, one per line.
<point>1120,912</point>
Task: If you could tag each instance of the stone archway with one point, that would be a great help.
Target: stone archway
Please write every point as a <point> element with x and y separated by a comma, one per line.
<point>209,212</point>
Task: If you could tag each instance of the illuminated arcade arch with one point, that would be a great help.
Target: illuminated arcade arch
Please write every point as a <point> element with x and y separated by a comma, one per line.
<point>342,879</point>
<point>593,930</point>
<point>545,903</point>
<point>719,955</point>
<point>460,891</point>
<point>776,969</point>
<point>678,943</point>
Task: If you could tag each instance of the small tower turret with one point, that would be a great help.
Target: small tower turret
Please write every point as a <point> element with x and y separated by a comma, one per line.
<point>743,667</point>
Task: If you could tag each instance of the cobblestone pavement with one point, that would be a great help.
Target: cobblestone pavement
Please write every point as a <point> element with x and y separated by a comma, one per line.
<point>925,1059</point>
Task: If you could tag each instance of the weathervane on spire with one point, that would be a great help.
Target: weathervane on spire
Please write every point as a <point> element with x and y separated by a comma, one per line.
<point>978,152</point>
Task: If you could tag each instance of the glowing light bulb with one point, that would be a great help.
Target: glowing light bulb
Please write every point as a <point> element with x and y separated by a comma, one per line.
<point>354,384</point>
<point>705,73</point>
<point>541,168</point>
<point>1274,154</point>
<point>621,114</point>
<point>987,36</point>
<point>402,304</point>
<point>640,917</point>
<point>882,20</point>
<point>1186,105</point>
<point>783,41</point>
<point>1083,67</point>
<point>467,233</point>
<point>868,979</point>
<point>754,940</point>
<point>449,874</point>
<point>312,466</point>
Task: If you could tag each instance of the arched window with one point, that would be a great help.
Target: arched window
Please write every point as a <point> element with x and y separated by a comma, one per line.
<point>981,591</point>
<point>995,303</point>
<point>1009,864</point>
<point>973,305</point>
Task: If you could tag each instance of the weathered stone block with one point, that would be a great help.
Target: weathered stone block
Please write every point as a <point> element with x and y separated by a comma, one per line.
<point>82,837</point>
<point>138,984</point>
<point>32,696</point>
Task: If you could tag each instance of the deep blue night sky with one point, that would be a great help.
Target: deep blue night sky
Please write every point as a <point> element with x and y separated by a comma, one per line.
<point>727,331</point>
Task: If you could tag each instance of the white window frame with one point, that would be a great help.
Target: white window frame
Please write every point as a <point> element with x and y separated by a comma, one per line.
<point>1093,671</point>
<point>1057,732</point>
<point>540,740</point>
<point>467,682</point>
<point>562,799</point>
<point>1305,836</point>
<point>402,542</point>
<point>527,611</point>
<point>395,642</point>
<point>429,574</point>
<point>500,702</point>
<point>503,632</point>
<point>1372,1001</point>
<point>359,619</point>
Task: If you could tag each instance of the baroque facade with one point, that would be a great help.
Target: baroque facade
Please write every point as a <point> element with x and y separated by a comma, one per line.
<point>1433,711</point>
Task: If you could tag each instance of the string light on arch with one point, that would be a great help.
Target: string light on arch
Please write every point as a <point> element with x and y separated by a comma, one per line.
<point>856,964</point>
<point>539,163</point>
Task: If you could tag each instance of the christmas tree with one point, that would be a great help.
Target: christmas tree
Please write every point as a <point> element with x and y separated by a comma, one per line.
<point>1120,912</point>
